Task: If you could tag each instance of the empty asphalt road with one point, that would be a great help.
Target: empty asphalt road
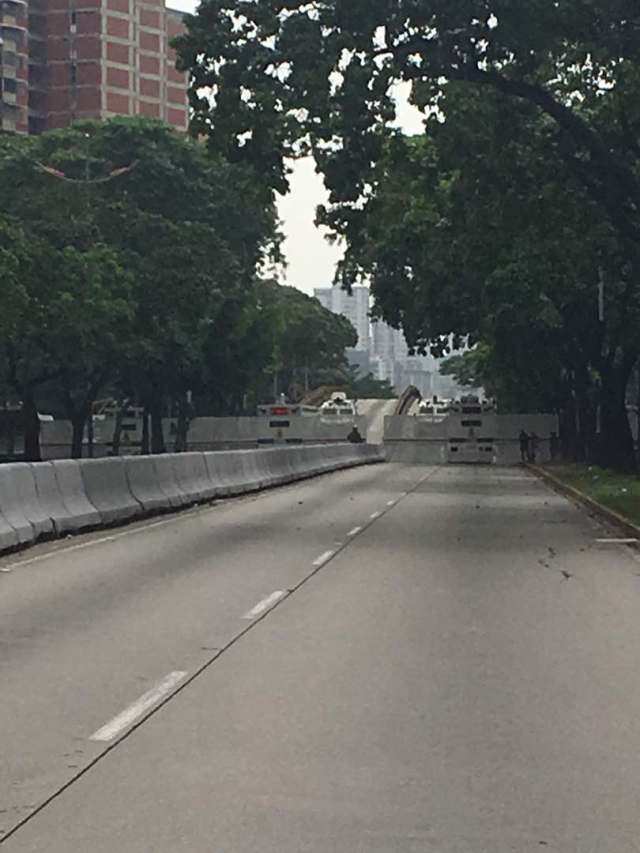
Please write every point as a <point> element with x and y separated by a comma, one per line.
<point>386,659</point>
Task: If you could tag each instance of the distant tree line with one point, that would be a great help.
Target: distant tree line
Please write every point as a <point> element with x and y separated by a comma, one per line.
<point>130,261</point>
<point>513,221</point>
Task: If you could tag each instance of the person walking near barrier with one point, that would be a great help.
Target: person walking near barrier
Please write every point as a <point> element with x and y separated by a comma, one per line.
<point>533,447</point>
<point>354,436</point>
<point>524,445</point>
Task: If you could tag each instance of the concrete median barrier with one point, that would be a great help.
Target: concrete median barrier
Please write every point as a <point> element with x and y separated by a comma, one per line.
<point>8,536</point>
<point>28,499</point>
<point>168,483</point>
<point>191,474</point>
<point>61,496</point>
<point>219,470</point>
<point>144,483</point>
<point>236,472</point>
<point>50,497</point>
<point>15,503</point>
<point>82,513</point>
<point>278,466</point>
<point>106,486</point>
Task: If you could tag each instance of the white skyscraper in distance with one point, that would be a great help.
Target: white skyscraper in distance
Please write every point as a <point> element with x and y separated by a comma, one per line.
<point>389,347</point>
<point>382,350</point>
<point>353,306</point>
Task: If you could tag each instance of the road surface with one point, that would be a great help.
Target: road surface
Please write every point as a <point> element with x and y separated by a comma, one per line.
<point>386,659</point>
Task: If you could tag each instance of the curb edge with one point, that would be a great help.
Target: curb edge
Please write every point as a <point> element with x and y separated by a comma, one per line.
<point>599,509</point>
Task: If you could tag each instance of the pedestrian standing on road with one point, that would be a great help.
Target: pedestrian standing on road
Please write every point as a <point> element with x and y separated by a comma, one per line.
<point>524,445</point>
<point>533,447</point>
<point>554,446</point>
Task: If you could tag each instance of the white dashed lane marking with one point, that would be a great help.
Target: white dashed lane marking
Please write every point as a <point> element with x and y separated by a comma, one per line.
<point>323,558</point>
<point>138,708</point>
<point>264,605</point>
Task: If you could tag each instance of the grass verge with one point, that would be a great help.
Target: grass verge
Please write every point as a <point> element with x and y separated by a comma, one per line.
<point>619,492</point>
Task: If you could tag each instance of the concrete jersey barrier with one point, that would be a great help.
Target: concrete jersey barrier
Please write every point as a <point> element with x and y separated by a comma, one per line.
<point>168,482</point>
<point>106,486</point>
<point>82,513</point>
<point>8,536</point>
<point>15,501</point>
<point>28,500</point>
<point>190,471</point>
<point>50,497</point>
<point>53,498</point>
<point>144,483</point>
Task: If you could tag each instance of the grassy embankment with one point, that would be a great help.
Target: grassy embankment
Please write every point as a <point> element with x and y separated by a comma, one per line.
<point>619,492</point>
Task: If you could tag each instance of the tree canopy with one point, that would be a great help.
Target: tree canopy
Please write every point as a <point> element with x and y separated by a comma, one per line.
<point>502,222</point>
<point>267,75</point>
<point>130,261</point>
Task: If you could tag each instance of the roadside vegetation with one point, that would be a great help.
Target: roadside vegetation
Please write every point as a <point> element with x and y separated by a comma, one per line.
<point>138,263</point>
<point>619,492</point>
<point>136,266</point>
<point>513,221</point>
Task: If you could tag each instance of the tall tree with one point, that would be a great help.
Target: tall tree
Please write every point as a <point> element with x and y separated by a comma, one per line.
<point>267,74</point>
<point>137,240</point>
<point>507,250</point>
<point>284,76</point>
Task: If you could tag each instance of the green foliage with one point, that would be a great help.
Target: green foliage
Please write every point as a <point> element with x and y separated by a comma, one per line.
<point>497,226</point>
<point>117,274</point>
<point>323,71</point>
<point>368,387</point>
<point>616,491</point>
<point>310,336</point>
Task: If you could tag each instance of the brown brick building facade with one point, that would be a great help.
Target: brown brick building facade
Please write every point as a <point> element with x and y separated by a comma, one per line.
<point>14,65</point>
<point>96,59</point>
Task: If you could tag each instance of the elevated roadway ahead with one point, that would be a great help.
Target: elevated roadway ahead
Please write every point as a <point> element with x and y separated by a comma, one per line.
<point>389,659</point>
<point>374,413</point>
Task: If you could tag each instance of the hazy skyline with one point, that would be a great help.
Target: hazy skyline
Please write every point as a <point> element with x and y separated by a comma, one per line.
<point>311,259</point>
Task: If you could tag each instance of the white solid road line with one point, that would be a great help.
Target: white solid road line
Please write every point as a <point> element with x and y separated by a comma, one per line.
<point>323,558</point>
<point>265,604</point>
<point>616,541</point>
<point>355,531</point>
<point>391,503</point>
<point>375,515</point>
<point>142,527</point>
<point>129,716</point>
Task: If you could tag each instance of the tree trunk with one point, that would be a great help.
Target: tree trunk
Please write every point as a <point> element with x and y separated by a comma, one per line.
<point>183,424</point>
<point>615,447</point>
<point>31,426</point>
<point>145,444</point>
<point>568,435</point>
<point>157,433</point>
<point>11,432</point>
<point>78,422</point>
<point>90,433</point>
<point>117,429</point>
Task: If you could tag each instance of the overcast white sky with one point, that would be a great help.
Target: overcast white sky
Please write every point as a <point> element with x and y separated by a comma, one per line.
<point>311,260</point>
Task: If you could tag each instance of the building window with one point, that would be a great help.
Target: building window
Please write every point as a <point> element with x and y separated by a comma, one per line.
<point>10,85</point>
<point>73,73</point>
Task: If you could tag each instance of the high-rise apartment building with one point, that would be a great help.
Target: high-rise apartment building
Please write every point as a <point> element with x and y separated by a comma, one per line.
<point>390,347</point>
<point>353,306</point>
<point>14,65</point>
<point>92,59</point>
